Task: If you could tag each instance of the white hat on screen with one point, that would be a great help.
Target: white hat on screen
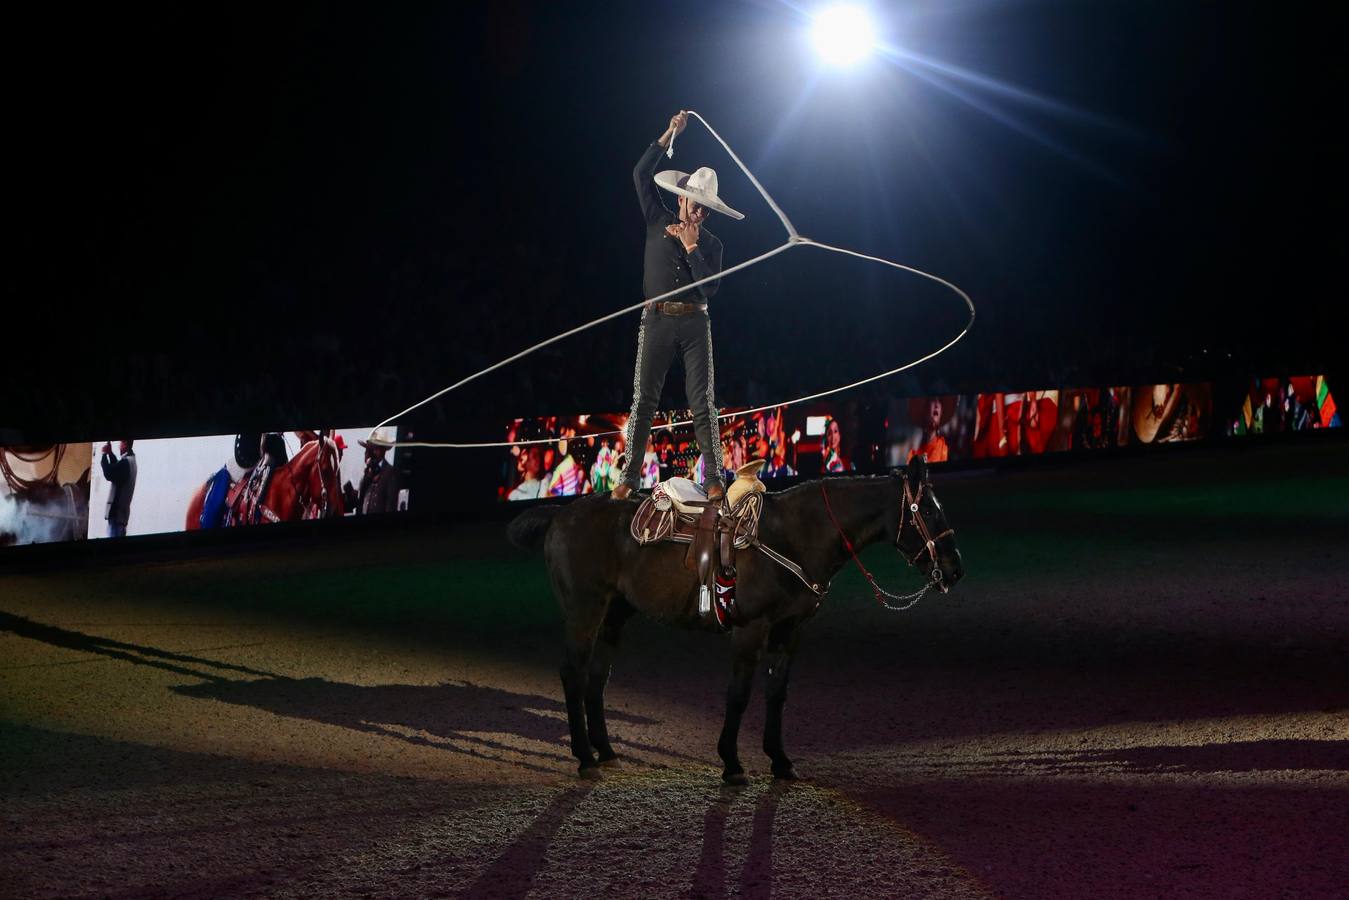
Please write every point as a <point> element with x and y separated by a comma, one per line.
<point>380,437</point>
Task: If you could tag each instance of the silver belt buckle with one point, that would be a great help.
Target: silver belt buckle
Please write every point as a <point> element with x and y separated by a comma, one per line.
<point>674,307</point>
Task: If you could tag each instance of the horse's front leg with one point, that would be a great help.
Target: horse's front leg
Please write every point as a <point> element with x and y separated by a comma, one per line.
<point>747,643</point>
<point>783,640</point>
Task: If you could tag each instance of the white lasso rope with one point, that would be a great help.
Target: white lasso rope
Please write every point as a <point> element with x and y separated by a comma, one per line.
<point>794,239</point>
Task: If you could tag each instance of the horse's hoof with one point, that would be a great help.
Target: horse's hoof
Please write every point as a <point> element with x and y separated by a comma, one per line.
<point>787,774</point>
<point>589,773</point>
<point>610,762</point>
<point>735,779</point>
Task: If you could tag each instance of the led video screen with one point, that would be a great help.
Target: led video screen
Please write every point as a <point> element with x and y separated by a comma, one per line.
<point>574,455</point>
<point>228,480</point>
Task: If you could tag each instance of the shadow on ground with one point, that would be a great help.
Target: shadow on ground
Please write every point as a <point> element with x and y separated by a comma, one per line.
<point>453,717</point>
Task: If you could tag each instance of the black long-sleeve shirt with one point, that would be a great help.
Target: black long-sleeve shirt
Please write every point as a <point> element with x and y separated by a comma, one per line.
<point>115,470</point>
<point>666,265</point>
<point>121,476</point>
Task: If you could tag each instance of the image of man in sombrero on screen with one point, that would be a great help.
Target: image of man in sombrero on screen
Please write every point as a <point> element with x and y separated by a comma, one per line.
<point>379,482</point>
<point>680,250</point>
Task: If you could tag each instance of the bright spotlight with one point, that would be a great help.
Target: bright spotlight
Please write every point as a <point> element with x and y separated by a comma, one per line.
<point>843,34</point>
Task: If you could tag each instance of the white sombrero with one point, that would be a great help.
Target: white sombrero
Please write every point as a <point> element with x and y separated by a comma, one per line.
<point>381,438</point>
<point>700,187</point>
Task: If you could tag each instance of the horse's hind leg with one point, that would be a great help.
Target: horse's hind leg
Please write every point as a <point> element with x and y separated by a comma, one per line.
<point>747,643</point>
<point>601,660</point>
<point>582,625</point>
<point>782,644</point>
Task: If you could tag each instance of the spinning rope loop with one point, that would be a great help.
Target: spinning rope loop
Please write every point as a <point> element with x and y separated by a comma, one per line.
<point>794,239</point>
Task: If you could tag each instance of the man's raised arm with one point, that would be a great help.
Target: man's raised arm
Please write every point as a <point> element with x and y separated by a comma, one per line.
<point>653,209</point>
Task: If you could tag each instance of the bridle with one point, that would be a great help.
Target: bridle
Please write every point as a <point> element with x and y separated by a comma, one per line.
<point>912,499</point>
<point>911,502</point>
<point>317,508</point>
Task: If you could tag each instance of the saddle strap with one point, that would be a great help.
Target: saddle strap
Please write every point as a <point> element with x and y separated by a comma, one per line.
<point>703,548</point>
<point>790,567</point>
<point>726,544</point>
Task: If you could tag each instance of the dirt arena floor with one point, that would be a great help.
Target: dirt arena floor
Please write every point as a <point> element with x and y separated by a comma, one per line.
<point>1141,689</point>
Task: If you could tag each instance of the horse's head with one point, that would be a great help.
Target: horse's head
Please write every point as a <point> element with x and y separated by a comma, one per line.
<point>923,535</point>
<point>320,479</point>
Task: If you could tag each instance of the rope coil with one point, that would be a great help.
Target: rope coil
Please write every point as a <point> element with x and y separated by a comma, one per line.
<point>794,239</point>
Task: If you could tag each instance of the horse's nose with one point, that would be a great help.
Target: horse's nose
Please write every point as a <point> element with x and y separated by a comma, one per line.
<point>955,571</point>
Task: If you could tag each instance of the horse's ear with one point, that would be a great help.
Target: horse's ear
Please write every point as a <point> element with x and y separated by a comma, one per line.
<point>918,469</point>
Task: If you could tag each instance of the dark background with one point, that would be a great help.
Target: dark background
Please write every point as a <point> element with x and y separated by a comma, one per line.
<point>320,214</point>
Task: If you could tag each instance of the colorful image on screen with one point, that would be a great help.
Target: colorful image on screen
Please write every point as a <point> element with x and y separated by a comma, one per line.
<point>1169,413</point>
<point>1297,403</point>
<point>1015,424</point>
<point>574,454</point>
<point>940,428</point>
<point>44,494</point>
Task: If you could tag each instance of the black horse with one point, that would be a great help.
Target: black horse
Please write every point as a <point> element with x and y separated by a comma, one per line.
<point>601,577</point>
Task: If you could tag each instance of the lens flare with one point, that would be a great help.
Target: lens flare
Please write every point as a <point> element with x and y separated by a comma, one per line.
<point>843,35</point>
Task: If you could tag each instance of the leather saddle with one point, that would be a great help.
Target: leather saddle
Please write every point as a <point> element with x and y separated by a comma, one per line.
<point>678,511</point>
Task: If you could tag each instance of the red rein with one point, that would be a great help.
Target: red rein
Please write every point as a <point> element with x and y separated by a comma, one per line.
<point>847,543</point>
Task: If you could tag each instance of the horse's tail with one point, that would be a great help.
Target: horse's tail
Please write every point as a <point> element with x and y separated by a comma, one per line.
<point>527,530</point>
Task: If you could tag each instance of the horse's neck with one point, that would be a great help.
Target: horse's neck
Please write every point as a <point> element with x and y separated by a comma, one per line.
<point>865,511</point>
<point>862,508</point>
<point>281,487</point>
<point>288,480</point>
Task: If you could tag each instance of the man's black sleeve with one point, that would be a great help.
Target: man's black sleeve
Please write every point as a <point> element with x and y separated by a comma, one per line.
<point>648,195</point>
<point>114,470</point>
<point>705,260</point>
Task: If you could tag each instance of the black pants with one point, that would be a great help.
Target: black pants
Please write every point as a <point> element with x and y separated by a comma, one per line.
<point>658,339</point>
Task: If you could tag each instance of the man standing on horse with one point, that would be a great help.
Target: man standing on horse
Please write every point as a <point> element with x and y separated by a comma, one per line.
<point>679,251</point>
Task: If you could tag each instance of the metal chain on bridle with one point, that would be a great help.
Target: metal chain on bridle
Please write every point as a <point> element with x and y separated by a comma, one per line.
<point>911,502</point>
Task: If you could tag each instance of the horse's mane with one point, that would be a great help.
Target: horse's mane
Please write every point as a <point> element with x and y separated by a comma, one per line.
<point>311,456</point>
<point>313,447</point>
<point>814,483</point>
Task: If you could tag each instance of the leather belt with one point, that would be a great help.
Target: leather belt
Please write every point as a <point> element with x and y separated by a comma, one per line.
<point>678,308</point>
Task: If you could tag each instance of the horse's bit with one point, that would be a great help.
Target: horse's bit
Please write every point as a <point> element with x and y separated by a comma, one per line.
<point>911,500</point>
